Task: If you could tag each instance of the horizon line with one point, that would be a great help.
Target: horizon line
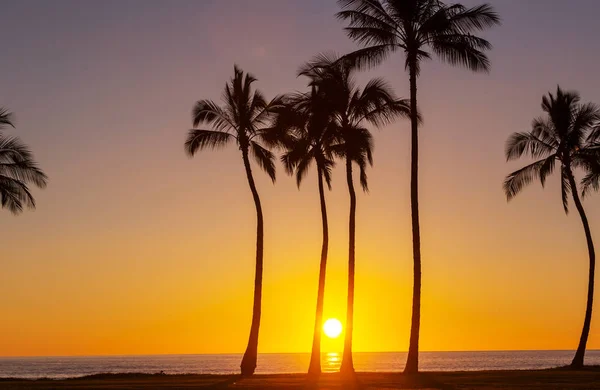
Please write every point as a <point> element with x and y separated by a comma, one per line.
<point>279,353</point>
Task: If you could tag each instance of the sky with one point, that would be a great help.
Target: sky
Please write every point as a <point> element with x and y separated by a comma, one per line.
<point>135,248</point>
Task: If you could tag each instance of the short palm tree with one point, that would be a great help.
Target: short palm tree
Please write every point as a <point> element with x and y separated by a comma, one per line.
<point>565,135</point>
<point>418,28</point>
<point>352,108</point>
<point>306,134</point>
<point>17,170</point>
<point>242,119</point>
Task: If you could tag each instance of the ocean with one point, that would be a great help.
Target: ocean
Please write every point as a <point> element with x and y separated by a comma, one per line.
<point>67,367</point>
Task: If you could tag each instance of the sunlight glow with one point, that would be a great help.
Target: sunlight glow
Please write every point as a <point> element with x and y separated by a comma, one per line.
<point>332,328</point>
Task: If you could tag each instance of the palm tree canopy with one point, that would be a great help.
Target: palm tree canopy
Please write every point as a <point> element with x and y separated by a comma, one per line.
<point>243,118</point>
<point>17,170</point>
<point>567,133</point>
<point>352,108</point>
<point>305,131</point>
<point>420,28</point>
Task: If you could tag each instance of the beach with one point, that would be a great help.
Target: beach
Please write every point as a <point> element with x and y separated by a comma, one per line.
<point>554,379</point>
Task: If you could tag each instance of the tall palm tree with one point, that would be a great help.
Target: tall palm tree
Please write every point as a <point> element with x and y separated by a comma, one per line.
<point>304,128</point>
<point>352,108</point>
<point>419,28</point>
<point>564,135</point>
<point>17,170</point>
<point>243,120</point>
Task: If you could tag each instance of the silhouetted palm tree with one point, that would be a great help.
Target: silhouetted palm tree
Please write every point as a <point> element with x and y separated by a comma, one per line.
<point>306,134</point>
<point>17,170</point>
<point>418,28</point>
<point>242,120</point>
<point>565,135</point>
<point>352,108</point>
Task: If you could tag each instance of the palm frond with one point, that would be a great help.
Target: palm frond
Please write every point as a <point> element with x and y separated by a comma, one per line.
<point>15,195</point>
<point>209,112</point>
<point>17,169</point>
<point>317,67</point>
<point>206,139</point>
<point>297,150</point>
<point>369,27</point>
<point>561,109</point>
<point>337,150</point>
<point>239,95</point>
<point>594,135</point>
<point>371,56</point>
<point>264,158</point>
<point>326,169</point>
<point>546,169</point>
<point>257,107</point>
<point>12,149</point>
<point>362,165</point>
<point>516,181</point>
<point>273,136</point>
<point>519,144</point>
<point>302,166</point>
<point>371,36</point>
<point>17,162</point>
<point>588,159</point>
<point>585,119</point>
<point>372,8</point>
<point>377,104</point>
<point>477,18</point>
<point>27,172</point>
<point>465,50</point>
<point>6,118</point>
<point>591,182</point>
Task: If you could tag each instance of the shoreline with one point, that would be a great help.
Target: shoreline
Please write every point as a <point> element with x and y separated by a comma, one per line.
<point>555,378</point>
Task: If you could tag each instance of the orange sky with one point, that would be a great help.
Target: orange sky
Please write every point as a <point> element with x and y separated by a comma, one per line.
<point>136,249</point>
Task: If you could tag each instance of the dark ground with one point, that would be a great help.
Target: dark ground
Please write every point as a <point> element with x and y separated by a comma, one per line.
<point>544,379</point>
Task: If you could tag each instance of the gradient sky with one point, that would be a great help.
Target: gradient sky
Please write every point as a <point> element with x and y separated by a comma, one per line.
<point>136,249</point>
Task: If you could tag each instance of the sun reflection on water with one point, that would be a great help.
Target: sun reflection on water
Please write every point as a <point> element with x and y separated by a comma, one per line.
<point>332,362</point>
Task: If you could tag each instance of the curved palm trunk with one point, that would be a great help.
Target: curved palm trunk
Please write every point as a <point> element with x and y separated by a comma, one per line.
<point>315,358</point>
<point>250,356</point>
<point>347,366</point>
<point>580,354</point>
<point>412,362</point>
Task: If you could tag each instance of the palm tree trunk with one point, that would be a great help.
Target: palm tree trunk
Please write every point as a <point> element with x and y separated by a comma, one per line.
<point>347,365</point>
<point>250,356</point>
<point>412,362</point>
<point>315,359</point>
<point>580,354</point>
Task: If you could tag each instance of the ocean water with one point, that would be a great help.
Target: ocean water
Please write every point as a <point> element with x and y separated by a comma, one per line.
<point>66,367</point>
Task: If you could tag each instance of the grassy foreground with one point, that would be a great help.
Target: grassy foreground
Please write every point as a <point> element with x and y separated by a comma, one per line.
<point>542,379</point>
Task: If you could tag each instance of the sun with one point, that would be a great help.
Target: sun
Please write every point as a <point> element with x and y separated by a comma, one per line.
<point>332,328</point>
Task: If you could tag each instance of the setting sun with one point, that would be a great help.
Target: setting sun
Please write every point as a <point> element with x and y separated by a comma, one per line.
<point>332,328</point>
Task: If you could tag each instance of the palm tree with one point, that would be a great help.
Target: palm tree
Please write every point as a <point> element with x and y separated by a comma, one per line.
<point>17,170</point>
<point>565,135</point>
<point>419,28</point>
<point>242,120</point>
<point>303,125</point>
<point>351,109</point>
